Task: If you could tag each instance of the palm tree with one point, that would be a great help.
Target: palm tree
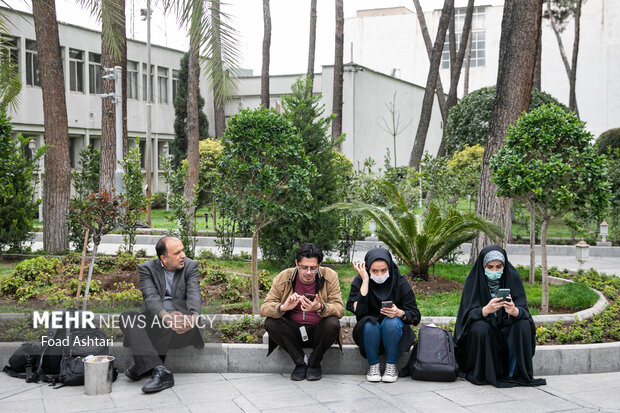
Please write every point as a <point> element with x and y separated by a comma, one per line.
<point>338,74</point>
<point>57,183</point>
<point>111,14</point>
<point>202,24</point>
<point>420,240</point>
<point>264,75</point>
<point>10,85</point>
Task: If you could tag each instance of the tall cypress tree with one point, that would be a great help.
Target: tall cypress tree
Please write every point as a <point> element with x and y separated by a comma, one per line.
<point>179,145</point>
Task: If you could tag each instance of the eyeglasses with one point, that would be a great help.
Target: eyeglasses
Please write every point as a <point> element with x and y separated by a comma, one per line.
<point>306,268</point>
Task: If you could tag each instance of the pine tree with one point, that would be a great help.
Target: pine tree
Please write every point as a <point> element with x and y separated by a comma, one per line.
<point>179,145</point>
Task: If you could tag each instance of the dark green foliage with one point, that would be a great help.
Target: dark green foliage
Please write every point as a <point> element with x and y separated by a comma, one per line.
<point>30,278</point>
<point>613,217</point>
<point>178,148</point>
<point>305,112</point>
<point>264,169</point>
<point>85,182</point>
<point>468,121</point>
<point>17,200</point>
<point>608,142</point>
<point>549,162</point>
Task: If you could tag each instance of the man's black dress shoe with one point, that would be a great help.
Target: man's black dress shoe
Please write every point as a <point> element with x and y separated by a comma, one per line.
<point>131,374</point>
<point>299,373</point>
<point>161,379</point>
<point>314,373</point>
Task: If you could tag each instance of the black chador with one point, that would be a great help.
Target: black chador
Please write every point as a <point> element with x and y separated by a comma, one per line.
<point>496,349</point>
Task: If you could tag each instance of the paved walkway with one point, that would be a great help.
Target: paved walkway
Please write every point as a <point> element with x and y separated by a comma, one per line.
<point>607,264</point>
<point>222,393</point>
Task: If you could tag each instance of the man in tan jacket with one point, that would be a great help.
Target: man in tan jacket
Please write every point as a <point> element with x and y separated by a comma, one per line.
<point>302,309</point>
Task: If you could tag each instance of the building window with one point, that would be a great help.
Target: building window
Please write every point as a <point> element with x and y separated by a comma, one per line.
<point>33,77</point>
<point>132,80</point>
<point>10,50</point>
<point>175,84</point>
<point>94,73</point>
<point>76,70</point>
<point>477,37</point>
<point>144,74</point>
<point>162,82</point>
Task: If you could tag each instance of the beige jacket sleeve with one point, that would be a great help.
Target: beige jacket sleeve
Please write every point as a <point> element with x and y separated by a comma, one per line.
<point>277,295</point>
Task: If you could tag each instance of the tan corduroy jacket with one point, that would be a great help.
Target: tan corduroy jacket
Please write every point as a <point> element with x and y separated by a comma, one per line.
<point>328,293</point>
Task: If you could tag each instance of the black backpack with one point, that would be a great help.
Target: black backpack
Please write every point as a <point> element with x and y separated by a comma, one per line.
<point>58,364</point>
<point>432,358</point>
<point>24,362</point>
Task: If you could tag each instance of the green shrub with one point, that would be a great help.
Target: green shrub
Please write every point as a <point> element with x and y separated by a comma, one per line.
<point>245,330</point>
<point>17,200</point>
<point>468,121</point>
<point>608,142</point>
<point>158,200</point>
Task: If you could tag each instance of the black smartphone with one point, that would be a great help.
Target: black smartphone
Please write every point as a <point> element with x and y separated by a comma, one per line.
<point>310,296</point>
<point>386,304</point>
<point>503,293</point>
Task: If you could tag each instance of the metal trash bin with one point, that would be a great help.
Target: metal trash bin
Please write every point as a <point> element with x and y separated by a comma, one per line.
<point>98,374</point>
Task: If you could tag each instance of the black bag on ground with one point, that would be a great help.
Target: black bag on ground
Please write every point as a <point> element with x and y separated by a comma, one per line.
<point>432,358</point>
<point>24,362</point>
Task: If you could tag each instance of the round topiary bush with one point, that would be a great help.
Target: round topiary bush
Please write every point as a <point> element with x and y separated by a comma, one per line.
<point>609,141</point>
<point>468,121</point>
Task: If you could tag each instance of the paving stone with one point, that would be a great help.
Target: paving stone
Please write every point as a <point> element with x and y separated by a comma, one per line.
<point>428,402</point>
<point>281,399</point>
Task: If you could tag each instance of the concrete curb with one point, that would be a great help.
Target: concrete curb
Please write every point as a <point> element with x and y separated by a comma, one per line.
<point>251,358</point>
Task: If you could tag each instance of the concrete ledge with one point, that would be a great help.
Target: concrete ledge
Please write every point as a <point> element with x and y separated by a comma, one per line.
<point>252,358</point>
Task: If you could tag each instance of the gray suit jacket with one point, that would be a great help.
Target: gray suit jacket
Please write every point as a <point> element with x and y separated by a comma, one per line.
<point>185,287</point>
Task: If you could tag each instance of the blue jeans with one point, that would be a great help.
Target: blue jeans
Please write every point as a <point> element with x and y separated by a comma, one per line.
<point>389,331</point>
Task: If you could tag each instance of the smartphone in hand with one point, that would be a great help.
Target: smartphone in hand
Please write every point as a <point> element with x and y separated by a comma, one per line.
<point>503,293</point>
<point>310,296</point>
<point>386,304</point>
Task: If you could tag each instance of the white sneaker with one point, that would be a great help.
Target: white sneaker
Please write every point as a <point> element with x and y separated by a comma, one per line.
<point>391,373</point>
<point>374,373</point>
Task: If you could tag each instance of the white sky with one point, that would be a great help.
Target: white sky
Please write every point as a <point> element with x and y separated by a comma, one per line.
<point>290,20</point>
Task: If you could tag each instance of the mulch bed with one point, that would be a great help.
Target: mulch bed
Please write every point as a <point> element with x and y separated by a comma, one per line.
<point>435,284</point>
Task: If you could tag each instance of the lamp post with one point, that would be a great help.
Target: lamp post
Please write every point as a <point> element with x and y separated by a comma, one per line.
<point>604,230</point>
<point>582,252</point>
<point>32,145</point>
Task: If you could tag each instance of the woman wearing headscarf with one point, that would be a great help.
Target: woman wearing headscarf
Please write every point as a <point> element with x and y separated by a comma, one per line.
<point>495,338</point>
<point>380,325</point>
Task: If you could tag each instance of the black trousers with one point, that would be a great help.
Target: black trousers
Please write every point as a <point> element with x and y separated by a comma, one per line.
<point>150,340</point>
<point>286,334</point>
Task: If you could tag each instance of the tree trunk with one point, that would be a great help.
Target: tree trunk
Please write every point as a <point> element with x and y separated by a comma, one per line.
<point>120,27</point>
<point>193,132</point>
<point>457,65</point>
<point>57,183</point>
<point>572,78</point>
<point>338,74</point>
<point>517,57</point>
<point>90,276</point>
<point>264,76</point>
<point>545,271</point>
<point>218,99</point>
<point>429,93</point>
<point>467,66</point>
<point>312,40</point>
<point>532,246</point>
<point>111,56</point>
<point>255,292</point>
<point>538,69</point>
<point>441,97</point>
<point>563,52</point>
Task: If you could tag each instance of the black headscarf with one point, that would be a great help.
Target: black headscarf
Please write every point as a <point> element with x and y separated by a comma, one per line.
<point>390,287</point>
<point>476,291</point>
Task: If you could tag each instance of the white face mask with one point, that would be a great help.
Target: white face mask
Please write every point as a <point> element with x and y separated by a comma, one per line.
<point>380,279</point>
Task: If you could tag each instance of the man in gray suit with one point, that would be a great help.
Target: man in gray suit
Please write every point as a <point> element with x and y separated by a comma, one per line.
<point>171,306</point>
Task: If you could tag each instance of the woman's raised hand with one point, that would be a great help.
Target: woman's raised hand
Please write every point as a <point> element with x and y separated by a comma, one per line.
<point>360,267</point>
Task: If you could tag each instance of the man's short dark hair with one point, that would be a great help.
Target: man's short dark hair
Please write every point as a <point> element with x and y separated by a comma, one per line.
<point>308,250</point>
<point>160,247</point>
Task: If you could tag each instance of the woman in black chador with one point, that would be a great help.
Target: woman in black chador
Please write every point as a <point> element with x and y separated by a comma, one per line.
<point>495,339</point>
